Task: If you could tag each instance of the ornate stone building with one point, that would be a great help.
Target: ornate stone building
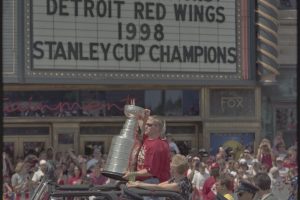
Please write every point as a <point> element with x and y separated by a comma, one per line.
<point>219,74</point>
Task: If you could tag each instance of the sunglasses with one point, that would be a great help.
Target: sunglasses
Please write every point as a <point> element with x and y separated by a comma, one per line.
<point>149,125</point>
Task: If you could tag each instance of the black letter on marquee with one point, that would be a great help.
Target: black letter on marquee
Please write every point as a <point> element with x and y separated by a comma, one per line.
<point>92,51</point>
<point>119,7</point>
<point>98,8</point>
<point>49,11</point>
<point>105,50</point>
<point>61,7</point>
<point>36,48</point>
<point>49,43</point>
<point>210,17</point>
<point>220,14</point>
<point>115,52</point>
<point>76,7</point>
<point>180,12</point>
<point>88,8</point>
<point>72,50</point>
<point>188,54</point>
<point>138,9</point>
<point>60,51</point>
<point>151,53</point>
<point>232,53</point>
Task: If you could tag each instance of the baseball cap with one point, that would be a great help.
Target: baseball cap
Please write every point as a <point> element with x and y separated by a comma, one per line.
<point>196,158</point>
<point>242,161</point>
<point>214,165</point>
<point>279,158</point>
<point>42,162</point>
<point>246,187</point>
<point>246,151</point>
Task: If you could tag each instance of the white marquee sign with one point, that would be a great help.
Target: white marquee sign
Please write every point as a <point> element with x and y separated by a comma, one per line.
<point>133,36</point>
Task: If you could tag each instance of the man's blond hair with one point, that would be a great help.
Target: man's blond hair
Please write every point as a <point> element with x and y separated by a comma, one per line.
<point>160,122</point>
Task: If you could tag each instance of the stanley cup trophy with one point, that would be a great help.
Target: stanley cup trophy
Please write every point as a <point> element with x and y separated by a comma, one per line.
<point>122,145</point>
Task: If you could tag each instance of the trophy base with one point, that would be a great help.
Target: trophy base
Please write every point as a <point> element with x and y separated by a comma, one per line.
<point>113,175</point>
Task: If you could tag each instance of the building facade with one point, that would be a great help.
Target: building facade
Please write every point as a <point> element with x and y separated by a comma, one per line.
<point>69,68</point>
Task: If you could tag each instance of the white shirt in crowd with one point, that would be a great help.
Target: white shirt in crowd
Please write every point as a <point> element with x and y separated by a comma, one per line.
<point>37,176</point>
<point>199,179</point>
<point>174,146</point>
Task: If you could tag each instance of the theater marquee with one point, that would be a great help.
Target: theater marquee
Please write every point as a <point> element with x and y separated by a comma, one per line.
<point>99,40</point>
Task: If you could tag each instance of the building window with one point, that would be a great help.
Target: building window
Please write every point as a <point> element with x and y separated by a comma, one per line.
<point>99,103</point>
<point>288,5</point>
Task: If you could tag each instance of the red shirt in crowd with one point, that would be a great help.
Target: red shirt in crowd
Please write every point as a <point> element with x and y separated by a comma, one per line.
<point>266,159</point>
<point>155,157</point>
<point>98,180</point>
<point>206,191</point>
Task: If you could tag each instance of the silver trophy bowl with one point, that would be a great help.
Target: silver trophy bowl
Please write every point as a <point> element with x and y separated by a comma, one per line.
<point>122,145</point>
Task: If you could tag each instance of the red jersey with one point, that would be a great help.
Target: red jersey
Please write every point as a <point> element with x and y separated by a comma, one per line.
<point>154,156</point>
<point>206,191</point>
<point>266,159</point>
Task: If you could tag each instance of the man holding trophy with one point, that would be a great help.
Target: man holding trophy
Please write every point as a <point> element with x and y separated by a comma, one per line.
<point>153,158</point>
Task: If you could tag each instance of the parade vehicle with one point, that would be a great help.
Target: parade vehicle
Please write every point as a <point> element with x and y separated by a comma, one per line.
<point>49,190</point>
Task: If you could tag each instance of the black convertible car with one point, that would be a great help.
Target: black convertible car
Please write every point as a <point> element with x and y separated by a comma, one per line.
<point>48,190</point>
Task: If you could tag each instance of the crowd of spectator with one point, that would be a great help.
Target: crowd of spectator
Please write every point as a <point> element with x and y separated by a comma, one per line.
<point>279,163</point>
<point>210,175</point>
<point>20,180</point>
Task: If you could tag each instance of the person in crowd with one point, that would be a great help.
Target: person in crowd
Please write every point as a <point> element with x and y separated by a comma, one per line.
<point>20,180</point>
<point>7,166</point>
<point>58,158</point>
<point>247,156</point>
<point>291,160</point>
<point>207,192</point>
<point>193,152</point>
<point>43,155</point>
<point>32,161</point>
<point>265,155</point>
<point>241,175</point>
<point>224,186</point>
<point>245,168</point>
<point>280,150</point>
<point>205,158</point>
<point>76,179</point>
<point>279,145</point>
<point>172,152</point>
<point>246,191</point>
<point>278,186</point>
<point>222,165</point>
<point>294,184</point>
<point>7,191</point>
<point>97,157</point>
<point>229,153</point>
<point>178,183</point>
<point>192,167</point>
<point>230,166</point>
<point>50,155</point>
<point>200,176</point>
<point>221,154</point>
<point>263,182</point>
<point>96,176</point>
<point>61,177</point>
<point>153,161</point>
<point>283,171</point>
<point>172,143</point>
<point>39,174</point>
<point>236,165</point>
<point>255,167</point>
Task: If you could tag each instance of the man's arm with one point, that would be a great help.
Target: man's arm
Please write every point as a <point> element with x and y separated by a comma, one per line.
<point>142,172</point>
<point>142,121</point>
<point>149,186</point>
